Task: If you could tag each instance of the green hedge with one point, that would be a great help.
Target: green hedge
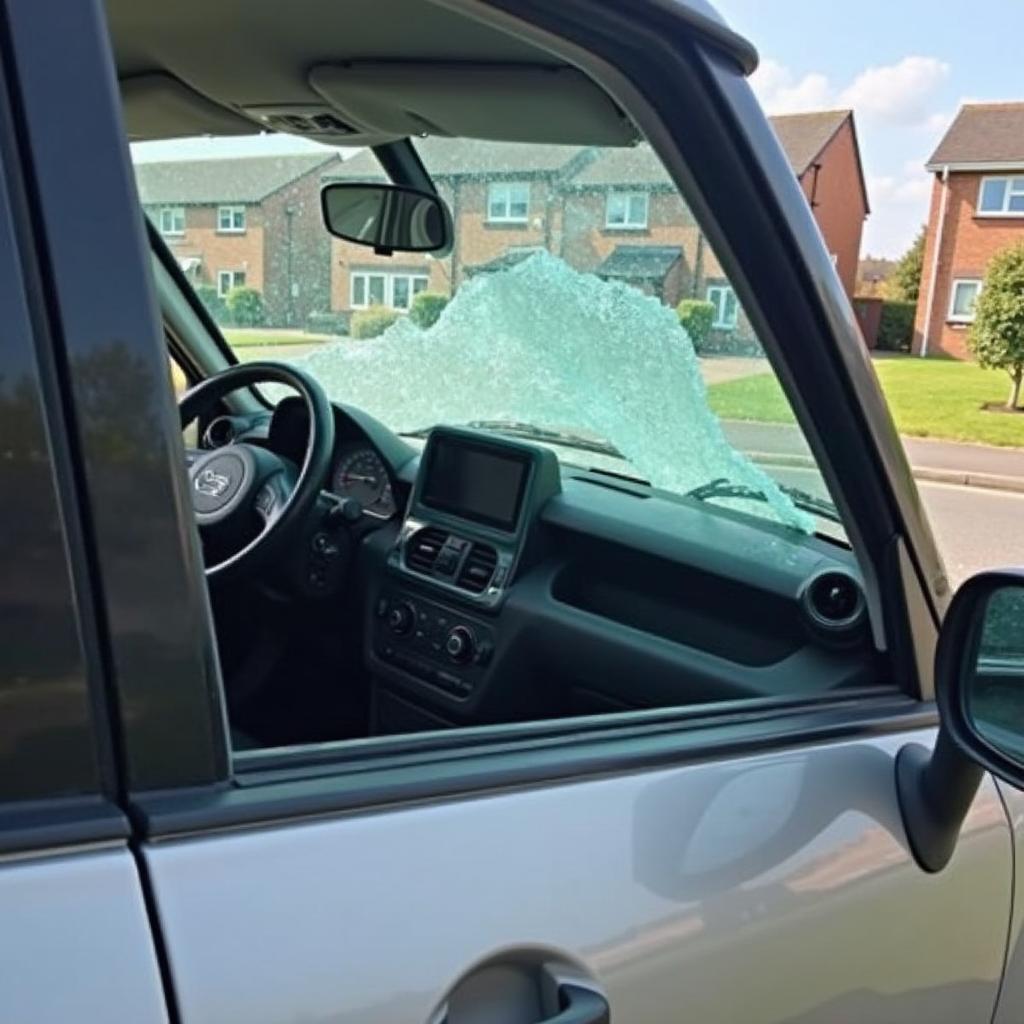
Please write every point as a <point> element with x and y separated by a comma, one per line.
<point>207,295</point>
<point>426,308</point>
<point>696,317</point>
<point>368,323</point>
<point>245,307</point>
<point>896,327</point>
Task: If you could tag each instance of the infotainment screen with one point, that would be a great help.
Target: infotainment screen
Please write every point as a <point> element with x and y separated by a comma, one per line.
<point>475,481</point>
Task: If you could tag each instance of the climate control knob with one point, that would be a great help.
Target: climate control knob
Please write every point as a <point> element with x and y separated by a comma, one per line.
<point>460,644</point>
<point>401,617</point>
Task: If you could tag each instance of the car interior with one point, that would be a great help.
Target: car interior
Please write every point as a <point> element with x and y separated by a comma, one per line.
<point>371,578</point>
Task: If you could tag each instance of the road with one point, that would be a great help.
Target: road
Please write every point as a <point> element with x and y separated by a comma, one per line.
<point>975,528</point>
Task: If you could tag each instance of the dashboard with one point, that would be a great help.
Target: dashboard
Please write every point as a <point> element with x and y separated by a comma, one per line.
<point>495,585</point>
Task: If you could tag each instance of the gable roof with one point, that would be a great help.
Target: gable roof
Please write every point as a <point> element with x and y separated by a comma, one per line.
<point>982,134</point>
<point>803,138</point>
<point>223,180</point>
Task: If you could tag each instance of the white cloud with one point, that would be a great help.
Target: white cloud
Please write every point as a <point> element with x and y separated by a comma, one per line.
<point>781,92</point>
<point>899,93</point>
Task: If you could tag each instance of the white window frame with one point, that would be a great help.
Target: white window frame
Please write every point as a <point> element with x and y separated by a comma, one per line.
<point>720,305</point>
<point>235,214</point>
<point>626,224</point>
<point>231,277</point>
<point>171,211</point>
<point>962,318</point>
<point>1008,192</point>
<point>417,282</point>
<point>501,193</point>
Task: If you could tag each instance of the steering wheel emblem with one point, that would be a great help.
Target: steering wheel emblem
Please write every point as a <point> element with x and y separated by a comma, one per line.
<point>212,484</point>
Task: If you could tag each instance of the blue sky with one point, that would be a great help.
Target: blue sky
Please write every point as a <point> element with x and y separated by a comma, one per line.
<point>905,66</point>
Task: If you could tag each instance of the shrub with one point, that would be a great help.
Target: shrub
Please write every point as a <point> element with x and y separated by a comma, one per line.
<point>696,316</point>
<point>245,307</point>
<point>997,335</point>
<point>207,295</point>
<point>905,281</point>
<point>426,308</point>
<point>895,327</point>
<point>368,323</point>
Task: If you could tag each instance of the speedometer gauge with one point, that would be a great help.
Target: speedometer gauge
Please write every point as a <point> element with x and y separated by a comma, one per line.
<point>361,475</point>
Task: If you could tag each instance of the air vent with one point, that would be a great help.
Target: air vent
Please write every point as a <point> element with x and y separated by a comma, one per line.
<point>478,568</point>
<point>834,602</point>
<point>423,547</point>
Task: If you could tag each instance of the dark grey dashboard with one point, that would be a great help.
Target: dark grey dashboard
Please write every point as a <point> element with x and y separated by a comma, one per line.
<point>605,596</point>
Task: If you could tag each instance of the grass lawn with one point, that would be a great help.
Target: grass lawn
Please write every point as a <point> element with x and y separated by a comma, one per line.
<point>929,398</point>
<point>240,337</point>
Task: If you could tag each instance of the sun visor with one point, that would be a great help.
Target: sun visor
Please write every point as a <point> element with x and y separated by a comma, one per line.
<point>508,103</point>
<point>159,106</point>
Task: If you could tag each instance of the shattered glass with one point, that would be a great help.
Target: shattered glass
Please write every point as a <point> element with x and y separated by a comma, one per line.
<point>544,345</point>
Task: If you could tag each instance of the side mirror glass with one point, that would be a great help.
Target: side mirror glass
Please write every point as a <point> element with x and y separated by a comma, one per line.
<point>388,218</point>
<point>993,687</point>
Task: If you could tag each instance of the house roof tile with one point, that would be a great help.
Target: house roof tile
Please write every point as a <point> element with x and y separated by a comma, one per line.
<point>224,180</point>
<point>983,133</point>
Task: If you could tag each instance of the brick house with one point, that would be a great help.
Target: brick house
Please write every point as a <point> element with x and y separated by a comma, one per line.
<point>248,221</point>
<point>613,212</point>
<point>977,208</point>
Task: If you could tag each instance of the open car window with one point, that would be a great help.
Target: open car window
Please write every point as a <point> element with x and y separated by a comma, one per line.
<point>580,307</point>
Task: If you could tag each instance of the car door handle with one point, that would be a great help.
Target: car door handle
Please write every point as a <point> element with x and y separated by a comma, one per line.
<point>580,1006</point>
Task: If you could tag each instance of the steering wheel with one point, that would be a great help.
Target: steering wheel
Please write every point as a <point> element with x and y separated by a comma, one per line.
<point>241,486</point>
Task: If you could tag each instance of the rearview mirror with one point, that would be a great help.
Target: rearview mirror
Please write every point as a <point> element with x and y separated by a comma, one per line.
<point>390,218</point>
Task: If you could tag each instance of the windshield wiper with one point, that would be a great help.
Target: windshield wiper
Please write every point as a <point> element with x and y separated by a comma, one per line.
<point>722,487</point>
<point>528,432</point>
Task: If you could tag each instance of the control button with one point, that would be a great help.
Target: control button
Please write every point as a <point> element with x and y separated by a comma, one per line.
<point>400,618</point>
<point>324,545</point>
<point>484,650</point>
<point>459,645</point>
<point>382,606</point>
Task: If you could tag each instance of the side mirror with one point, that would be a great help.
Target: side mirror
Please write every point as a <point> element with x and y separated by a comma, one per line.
<point>979,687</point>
<point>390,218</point>
<point>981,696</point>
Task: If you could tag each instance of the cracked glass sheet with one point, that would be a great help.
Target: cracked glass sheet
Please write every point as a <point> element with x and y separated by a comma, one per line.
<point>542,344</point>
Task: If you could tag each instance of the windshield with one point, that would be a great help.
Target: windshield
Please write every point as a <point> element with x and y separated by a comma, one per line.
<point>580,307</point>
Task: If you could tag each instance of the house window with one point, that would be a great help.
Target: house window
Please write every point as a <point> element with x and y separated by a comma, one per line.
<point>228,279</point>
<point>508,202</point>
<point>1001,197</point>
<point>723,298</point>
<point>231,219</point>
<point>626,210</point>
<point>394,290</point>
<point>172,220</point>
<point>962,299</point>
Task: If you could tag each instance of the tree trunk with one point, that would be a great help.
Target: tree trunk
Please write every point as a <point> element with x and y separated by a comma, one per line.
<point>1016,377</point>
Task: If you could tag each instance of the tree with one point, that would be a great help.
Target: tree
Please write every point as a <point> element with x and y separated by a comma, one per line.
<point>997,335</point>
<point>905,281</point>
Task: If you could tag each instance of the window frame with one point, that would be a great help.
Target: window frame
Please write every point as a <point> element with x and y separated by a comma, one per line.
<point>417,282</point>
<point>171,209</point>
<point>232,276</point>
<point>1008,192</point>
<point>627,196</point>
<point>507,201</point>
<point>726,289</point>
<point>963,318</point>
<point>232,210</point>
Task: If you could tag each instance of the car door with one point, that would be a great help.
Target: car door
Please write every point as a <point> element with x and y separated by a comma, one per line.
<point>75,939</point>
<point>717,866</point>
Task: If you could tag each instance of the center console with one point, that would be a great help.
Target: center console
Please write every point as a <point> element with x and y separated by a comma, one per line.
<point>436,624</point>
